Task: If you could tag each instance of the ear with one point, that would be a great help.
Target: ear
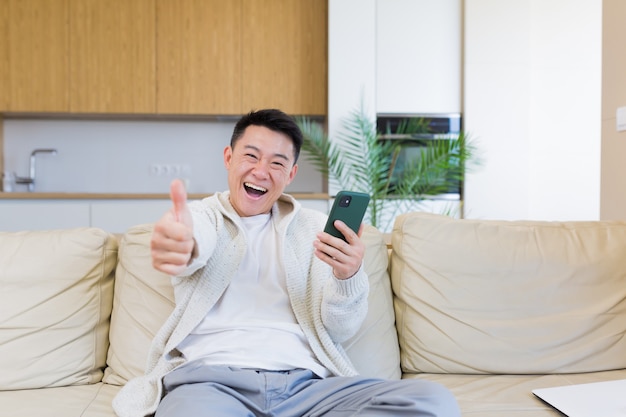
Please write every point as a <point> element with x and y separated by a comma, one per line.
<point>292,173</point>
<point>228,156</point>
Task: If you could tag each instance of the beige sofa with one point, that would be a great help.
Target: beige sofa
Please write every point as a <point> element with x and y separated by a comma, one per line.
<point>490,309</point>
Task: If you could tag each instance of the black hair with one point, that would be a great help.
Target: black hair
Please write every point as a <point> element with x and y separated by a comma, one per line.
<point>273,119</point>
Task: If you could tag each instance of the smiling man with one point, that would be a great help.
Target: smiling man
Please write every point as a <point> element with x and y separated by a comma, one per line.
<point>263,300</point>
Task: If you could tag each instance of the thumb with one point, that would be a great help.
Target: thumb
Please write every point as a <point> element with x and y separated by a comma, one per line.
<point>178,195</point>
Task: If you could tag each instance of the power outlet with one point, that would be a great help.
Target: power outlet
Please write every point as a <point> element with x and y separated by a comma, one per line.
<point>169,170</point>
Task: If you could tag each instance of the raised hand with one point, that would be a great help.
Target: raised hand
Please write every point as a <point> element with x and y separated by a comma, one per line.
<point>345,257</point>
<point>172,241</point>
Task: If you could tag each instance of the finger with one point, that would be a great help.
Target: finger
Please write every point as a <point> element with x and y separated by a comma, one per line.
<point>343,266</point>
<point>178,195</point>
<point>334,251</point>
<point>167,227</point>
<point>346,231</point>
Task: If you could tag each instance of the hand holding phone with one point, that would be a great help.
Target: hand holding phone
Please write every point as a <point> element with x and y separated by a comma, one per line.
<point>349,207</point>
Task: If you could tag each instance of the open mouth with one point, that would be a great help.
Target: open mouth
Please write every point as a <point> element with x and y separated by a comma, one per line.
<point>254,189</point>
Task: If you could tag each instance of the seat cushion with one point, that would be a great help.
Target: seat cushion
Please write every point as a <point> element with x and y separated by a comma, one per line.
<point>144,298</point>
<point>72,401</point>
<point>56,300</point>
<point>509,297</point>
<point>510,395</point>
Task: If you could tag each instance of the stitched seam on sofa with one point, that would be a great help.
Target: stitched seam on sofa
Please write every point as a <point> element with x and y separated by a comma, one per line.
<point>95,395</point>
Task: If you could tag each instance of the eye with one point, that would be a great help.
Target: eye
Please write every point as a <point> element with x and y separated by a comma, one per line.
<point>278,164</point>
<point>251,155</point>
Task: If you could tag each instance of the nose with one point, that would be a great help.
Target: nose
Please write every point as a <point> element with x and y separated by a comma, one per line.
<point>261,169</point>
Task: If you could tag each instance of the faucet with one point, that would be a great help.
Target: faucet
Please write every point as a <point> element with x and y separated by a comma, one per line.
<point>30,180</point>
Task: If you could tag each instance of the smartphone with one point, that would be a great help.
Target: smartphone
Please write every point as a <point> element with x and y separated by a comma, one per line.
<point>349,207</point>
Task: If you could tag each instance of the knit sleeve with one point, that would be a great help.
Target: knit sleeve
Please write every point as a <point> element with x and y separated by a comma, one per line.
<point>344,305</point>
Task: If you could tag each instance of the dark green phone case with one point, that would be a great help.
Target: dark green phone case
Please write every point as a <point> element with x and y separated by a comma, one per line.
<point>349,207</point>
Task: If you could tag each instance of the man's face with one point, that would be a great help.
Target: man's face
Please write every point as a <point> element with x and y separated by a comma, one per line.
<point>260,166</point>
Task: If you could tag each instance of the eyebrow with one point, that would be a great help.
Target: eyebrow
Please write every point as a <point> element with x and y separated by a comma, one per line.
<point>277,155</point>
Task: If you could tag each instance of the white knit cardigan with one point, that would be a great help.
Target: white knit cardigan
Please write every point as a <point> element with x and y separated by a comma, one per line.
<point>329,310</point>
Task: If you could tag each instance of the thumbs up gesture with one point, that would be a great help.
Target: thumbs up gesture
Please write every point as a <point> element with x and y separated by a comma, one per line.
<point>172,242</point>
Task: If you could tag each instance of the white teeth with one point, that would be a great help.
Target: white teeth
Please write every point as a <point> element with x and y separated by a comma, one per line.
<point>256,187</point>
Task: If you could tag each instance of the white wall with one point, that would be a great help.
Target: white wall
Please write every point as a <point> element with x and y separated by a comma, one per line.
<point>533,98</point>
<point>116,156</point>
<point>496,106</point>
<point>566,103</point>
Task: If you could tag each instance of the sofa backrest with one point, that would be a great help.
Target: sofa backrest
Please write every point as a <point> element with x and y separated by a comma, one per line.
<point>509,297</point>
<point>144,298</point>
<point>55,304</point>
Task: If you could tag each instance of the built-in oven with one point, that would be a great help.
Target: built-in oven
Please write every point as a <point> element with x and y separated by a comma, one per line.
<point>413,133</point>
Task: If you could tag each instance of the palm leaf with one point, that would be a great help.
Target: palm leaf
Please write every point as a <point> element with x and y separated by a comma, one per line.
<point>359,160</point>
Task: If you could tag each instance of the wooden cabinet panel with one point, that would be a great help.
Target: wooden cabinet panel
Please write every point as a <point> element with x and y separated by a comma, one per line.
<point>37,55</point>
<point>199,56</point>
<point>427,37</point>
<point>112,65</point>
<point>163,56</point>
<point>285,55</point>
<point>4,55</point>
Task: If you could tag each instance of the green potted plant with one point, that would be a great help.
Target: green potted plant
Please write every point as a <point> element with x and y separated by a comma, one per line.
<point>359,160</point>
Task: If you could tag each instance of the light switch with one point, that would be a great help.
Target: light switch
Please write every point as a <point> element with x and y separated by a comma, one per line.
<point>621,119</point>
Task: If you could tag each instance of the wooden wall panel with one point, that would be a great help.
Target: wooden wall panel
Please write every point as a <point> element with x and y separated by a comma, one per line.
<point>4,55</point>
<point>199,56</point>
<point>285,55</point>
<point>37,55</point>
<point>113,67</point>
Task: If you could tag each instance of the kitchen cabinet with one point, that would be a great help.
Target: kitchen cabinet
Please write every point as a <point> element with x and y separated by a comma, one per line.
<point>198,57</point>
<point>16,216</point>
<point>4,57</point>
<point>285,55</point>
<point>35,49</point>
<point>218,57</point>
<point>117,216</point>
<point>418,56</point>
<point>112,65</point>
<point>146,57</point>
<point>114,215</point>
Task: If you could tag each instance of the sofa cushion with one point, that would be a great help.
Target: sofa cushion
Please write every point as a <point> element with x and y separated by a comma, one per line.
<point>509,297</point>
<point>76,401</point>
<point>511,395</point>
<point>374,350</point>
<point>144,298</point>
<point>56,299</point>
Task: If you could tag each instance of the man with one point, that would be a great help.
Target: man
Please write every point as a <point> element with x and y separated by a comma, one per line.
<point>263,300</point>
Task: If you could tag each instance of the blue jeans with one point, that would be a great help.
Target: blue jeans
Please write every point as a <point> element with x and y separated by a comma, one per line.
<point>196,390</point>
